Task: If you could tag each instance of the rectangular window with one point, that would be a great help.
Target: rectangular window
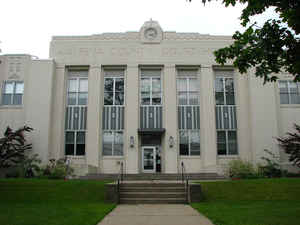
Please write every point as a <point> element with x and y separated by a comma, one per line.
<point>151,93</point>
<point>187,91</point>
<point>189,142</point>
<point>76,113</point>
<point>12,93</point>
<point>112,143</point>
<point>289,92</point>
<point>113,91</point>
<point>225,116</point>
<point>188,112</point>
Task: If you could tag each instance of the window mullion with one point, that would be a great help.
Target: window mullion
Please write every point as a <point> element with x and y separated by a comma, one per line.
<point>114,90</point>
<point>75,142</point>
<point>227,144</point>
<point>289,92</point>
<point>224,90</point>
<point>188,91</point>
<point>189,140</point>
<point>113,144</point>
<point>151,90</point>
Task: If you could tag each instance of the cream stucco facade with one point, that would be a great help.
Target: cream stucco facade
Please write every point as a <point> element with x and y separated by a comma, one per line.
<point>188,126</point>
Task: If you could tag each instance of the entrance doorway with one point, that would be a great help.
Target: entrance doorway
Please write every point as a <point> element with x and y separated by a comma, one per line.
<point>151,159</point>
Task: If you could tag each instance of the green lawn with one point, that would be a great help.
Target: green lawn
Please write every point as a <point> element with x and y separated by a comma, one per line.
<point>252,202</point>
<point>52,202</point>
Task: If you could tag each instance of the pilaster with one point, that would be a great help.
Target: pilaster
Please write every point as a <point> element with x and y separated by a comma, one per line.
<point>208,120</point>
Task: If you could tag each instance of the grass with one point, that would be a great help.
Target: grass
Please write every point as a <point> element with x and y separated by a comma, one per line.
<point>252,202</point>
<point>52,202</point>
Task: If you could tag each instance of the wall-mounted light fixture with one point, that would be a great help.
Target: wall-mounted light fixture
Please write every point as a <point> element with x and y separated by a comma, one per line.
<point>171,142</point>
<point>131,141</point>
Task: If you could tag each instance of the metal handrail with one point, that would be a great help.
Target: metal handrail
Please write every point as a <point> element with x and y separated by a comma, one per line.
<point>184,177</point>
<point>120,179</point>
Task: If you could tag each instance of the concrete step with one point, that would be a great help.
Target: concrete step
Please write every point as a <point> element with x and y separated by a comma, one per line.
<point>152,189</point>
<point>152,195</point>
<point>153,200</point>
<point>156,176</point>
<point>152,185</point>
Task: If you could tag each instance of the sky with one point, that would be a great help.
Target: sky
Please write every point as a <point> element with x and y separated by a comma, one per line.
<point>27,26</point>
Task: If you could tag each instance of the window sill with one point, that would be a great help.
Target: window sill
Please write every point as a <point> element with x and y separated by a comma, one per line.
<point>11,106</point>
<point>75,157</point>
<point>190,156</point>
<point>228,156</point>
<point>113,157</point>
<point>289,105</point>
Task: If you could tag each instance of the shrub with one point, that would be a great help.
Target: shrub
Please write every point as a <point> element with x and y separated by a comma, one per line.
<point>291,145</point>
<point>271,168</point>
<point>242,169</point>
<point>57,169</point>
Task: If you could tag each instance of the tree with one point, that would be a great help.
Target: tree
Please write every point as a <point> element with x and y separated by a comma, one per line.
<point>272,48</point>
<point>13,146</point>
<point>291,145</point>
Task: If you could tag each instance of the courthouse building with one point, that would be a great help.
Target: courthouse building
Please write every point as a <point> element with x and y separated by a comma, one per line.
<point>150,99</point>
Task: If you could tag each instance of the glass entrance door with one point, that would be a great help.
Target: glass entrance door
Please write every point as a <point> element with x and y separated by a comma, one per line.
<point>149,159</point>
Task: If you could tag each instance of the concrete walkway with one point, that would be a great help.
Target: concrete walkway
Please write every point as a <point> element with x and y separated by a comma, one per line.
<point>168,214</point>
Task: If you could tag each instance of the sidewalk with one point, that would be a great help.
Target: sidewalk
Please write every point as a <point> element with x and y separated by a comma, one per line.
<point>166,214</point>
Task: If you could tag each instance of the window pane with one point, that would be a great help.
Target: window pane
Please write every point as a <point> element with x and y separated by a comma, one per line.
<point>182,98</point>
<point>9,88</point>
<point>145,85</point>
<point>82,98</point>
<point>183,143</point>
<point>293,87</point>
<point>69,137</point>
<point>156,85</point>
<point>219,98</point>
<point>221,142</point>
<point>72,85</point>
<point>195,142</point>
<point>6,99</point>
<point>232,143</point>
<point>283,87</point>
<point>119,98</point>
<point>182,84</point>
<point>229,86</point>
<point>83,85</point>
<point>230,98</point>
<point>156,98</point>
<point>107,143</point>
<point>17,99</point>
<point>120,84</point>
<point>193,98</point>
<point>108,98</point>
<point>284,98</point>
<point>295,98</point>
<point>145,98</point>
<point>71,98</point>
<point>80,139</point>
<point>19,88</point>
<point>69,147</point>
<point>118,145</point>
<point>193,84</point>
<point>219,84</point>
<point>108,84</point>
<point>80,149</point>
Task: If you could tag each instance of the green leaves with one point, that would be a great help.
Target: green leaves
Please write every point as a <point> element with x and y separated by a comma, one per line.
<point>271,49</point>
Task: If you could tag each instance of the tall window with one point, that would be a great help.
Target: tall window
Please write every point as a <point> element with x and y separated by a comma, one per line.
<point>113,113</point>
<point>187,91</point>
<point>289,92</point>
<point>113,91</point>
<point>225,116</point>
<point>151,88</point>
<point>12,93</point>
<point>76,113</point>
<point>188,112</point>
